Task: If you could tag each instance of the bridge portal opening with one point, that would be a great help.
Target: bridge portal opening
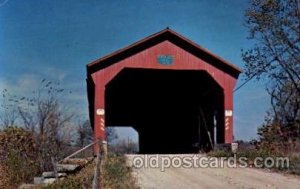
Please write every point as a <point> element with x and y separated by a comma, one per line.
<point>122,140</point>
<point>173,111</point>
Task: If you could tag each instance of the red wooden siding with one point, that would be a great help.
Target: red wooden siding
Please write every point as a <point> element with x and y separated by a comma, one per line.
<point>147,59</point>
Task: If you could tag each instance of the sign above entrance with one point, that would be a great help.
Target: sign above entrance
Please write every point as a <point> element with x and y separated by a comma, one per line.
<point>165,59</point>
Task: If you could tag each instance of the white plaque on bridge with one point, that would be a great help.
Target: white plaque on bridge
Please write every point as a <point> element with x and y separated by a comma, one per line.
<point>228,113</point>
<point>100,111</point>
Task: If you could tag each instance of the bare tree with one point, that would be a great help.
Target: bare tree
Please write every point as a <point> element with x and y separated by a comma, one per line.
<point>274,25</point>
<point>47,116</point>
<point>111,134</point>
<point>9,112</point>
<point>85,134</point>
<point>124,146</point>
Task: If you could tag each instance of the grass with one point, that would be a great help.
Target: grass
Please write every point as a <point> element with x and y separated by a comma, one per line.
<point>251,154</point>
<point>83,179</point>
<point>115,175</point>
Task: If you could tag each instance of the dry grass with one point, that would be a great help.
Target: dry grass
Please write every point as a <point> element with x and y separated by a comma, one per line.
<point>83,179</point>
<point>4,178</point>
<point>251,154</point>
<point>115,175</point>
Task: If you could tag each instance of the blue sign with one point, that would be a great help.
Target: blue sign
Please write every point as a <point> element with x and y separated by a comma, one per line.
<point>165,59</point>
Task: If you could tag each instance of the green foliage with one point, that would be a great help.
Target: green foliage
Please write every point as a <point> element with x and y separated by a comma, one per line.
<point>18,154</point>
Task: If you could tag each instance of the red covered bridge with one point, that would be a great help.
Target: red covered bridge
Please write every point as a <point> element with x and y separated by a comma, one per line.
<point>177,95</point>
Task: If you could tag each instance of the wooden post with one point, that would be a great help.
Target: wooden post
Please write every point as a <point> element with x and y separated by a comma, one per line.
<point>97,171</point>
<point>104,148</point>
<point>54,167</point>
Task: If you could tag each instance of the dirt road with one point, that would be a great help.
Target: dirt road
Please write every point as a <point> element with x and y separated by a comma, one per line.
<point>209,178</point>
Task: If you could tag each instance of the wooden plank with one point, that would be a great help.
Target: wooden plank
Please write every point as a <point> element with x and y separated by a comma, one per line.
<point>67,167</point>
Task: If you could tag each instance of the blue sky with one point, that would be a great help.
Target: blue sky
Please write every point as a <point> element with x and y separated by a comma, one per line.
<point>55,39</point>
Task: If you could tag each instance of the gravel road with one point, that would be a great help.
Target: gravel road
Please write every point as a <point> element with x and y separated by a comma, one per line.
<point>209,178</point>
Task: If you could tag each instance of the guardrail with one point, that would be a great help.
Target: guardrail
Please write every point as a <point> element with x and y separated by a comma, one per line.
<point>101,156</point>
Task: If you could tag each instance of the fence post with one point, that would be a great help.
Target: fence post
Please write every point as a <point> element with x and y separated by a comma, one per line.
<point>54,167</point>
<point>104,146</point>
<point>96,183</point>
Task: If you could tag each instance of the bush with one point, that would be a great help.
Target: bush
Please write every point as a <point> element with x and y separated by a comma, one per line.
<point>251,153</point>
<point>82,179</point>
<point>4,177</point>
<point>18,154</point>
<point>294,165</point>
<point>220,153</point>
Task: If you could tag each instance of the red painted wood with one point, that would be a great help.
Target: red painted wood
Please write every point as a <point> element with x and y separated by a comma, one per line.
<point>182,60</point>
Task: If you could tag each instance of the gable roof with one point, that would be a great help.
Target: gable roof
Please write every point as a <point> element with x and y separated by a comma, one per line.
<point>172,36</point>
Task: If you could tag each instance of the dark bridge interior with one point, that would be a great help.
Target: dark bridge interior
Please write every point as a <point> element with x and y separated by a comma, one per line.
<point>173,111</point>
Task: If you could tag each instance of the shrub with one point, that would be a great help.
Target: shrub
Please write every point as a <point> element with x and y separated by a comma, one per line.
<point>18,154</point>
<point>83,179</point>
<point>294,165</point>
<point>220,153</point>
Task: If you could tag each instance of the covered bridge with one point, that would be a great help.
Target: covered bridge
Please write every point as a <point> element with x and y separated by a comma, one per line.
<point>177,95</point>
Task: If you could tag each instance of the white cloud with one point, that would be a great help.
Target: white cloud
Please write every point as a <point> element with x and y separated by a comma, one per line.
<point>22,85</point>
<point>54,74</point>
<point>28,82</point>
